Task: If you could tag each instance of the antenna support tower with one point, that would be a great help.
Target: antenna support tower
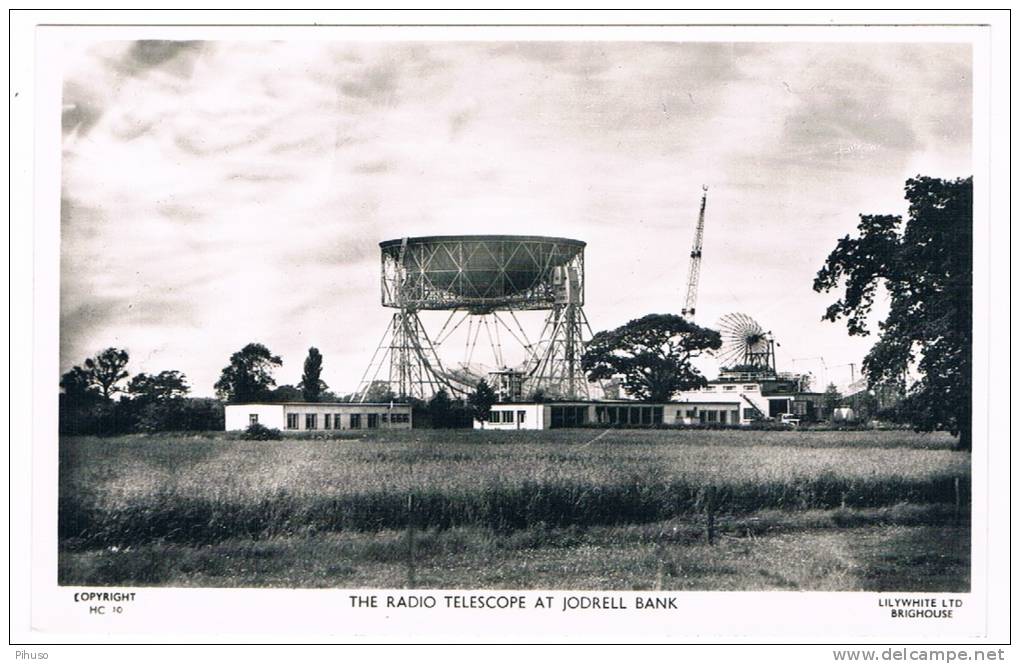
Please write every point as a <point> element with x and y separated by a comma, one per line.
<point>485,281</point>
<point>694,271</point>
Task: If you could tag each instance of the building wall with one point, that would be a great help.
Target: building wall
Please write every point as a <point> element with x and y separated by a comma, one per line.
<point>237,417</point>
<point>521,416</point>
<point>342,416</point>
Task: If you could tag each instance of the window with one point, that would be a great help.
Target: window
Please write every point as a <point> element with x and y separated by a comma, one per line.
<point>710,389</point>
<point>494,416</point>
<point>657,415</point>
<point>729,388</point>
<point>311,421</point>
<point>568,416</point>
<point>385,418</point>
<point>355,420</point>
<point>692,413</point>
<point>748,413</point>
<point>508,417</point>
<point>327,421</point>
<point>292,420</point>
<point>400,418</point>
<point>520,416</point>
<point>373,420</point>
<point>253,418</point>
<point>713,416</point>
<point>646,415</point>
<point>750,388</point>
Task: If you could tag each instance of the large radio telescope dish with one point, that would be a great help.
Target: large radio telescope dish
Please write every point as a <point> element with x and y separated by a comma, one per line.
<point>745,343</point>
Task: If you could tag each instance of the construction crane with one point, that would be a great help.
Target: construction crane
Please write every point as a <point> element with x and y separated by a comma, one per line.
<point>694,272</point>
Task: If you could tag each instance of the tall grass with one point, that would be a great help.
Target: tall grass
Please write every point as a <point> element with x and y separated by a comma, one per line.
<point>137,489</point>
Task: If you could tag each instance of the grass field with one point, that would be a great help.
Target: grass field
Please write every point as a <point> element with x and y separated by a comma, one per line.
<point>562,509</point>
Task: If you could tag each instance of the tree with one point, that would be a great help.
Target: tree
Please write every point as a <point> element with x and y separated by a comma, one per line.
<point>249,375</point>
<point>440,409</point>
<point>480,401</point>
<point>831,399</point>
<point>311,384</point>
<point>379,392</point>
<point>285,394</point>
<point>106,369</point>
<point>927,270</point>
<point>163,386</point>
<point>653,353</point>
<point>78,386</point>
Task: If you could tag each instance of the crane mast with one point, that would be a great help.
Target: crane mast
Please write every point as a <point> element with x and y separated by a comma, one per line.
<point>694,272</point>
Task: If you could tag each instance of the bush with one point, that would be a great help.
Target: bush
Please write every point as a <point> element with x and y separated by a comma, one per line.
<point>261,432</point>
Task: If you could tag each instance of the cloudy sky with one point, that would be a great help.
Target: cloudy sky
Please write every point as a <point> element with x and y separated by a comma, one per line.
<point>217,193</point>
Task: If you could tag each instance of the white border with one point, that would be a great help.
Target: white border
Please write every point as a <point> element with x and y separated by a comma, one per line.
<point>215,615</point>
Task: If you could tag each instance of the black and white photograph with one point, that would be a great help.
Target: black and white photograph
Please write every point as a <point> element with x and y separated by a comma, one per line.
<point>618,316</point>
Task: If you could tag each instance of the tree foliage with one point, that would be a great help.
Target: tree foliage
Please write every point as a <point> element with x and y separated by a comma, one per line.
<point>311,384</point>
<point>379,392</point>
<point>249,376</point>
<point>78,386</point>
<point>106,370</point>
<point>158,387</point>
<point>926,267</point>
<point>440,409</point>
<point>831,399</point>
<point>653,353</point>
<point>480,401</point>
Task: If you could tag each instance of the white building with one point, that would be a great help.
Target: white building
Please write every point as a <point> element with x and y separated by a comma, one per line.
<point>302,416</point>
<point>720,402</point>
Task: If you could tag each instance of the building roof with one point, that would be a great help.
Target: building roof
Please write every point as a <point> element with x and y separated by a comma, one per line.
<point>320,403</point>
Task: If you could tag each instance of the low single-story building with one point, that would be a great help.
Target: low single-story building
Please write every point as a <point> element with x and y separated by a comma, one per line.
<point>563,414</point>
<point>302,416</point>
<point>719,402</point>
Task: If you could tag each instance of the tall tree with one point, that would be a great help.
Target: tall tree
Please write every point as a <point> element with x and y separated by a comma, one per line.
<point>311,384</point>
<point>106,370</point>
<point>653,353</point>
<point>158,387</point>
<point>927,270</point>
<point>480,401</point>
<point>830,400</point>
<point>249,376</point>
<point>440,409</point>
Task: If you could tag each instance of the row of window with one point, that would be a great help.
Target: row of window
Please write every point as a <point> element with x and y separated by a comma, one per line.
<point>644,415</point>
<point>331,421</point>
<point>732,388</point>
<point>506,416</point>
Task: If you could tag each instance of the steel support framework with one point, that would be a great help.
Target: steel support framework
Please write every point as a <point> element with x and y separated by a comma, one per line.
<point>482,280</point>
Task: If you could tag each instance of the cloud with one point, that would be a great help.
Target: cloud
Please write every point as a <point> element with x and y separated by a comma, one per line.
<point>221,192</point>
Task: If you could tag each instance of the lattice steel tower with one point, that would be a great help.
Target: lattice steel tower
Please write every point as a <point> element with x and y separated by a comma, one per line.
<point>694,271</point>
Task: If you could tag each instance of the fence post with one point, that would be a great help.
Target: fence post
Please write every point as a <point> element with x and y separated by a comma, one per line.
<point>956,490</point>
<point>710,509</point>
<point>410,529</point>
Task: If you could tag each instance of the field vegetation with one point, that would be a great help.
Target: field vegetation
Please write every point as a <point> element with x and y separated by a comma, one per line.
<point>560,509</point>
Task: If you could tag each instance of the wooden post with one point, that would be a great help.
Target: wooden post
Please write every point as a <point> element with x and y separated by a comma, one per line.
<point>410,542</point>
<point>956,490</point>
<point>710,509</point>
<point>410,530</point>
